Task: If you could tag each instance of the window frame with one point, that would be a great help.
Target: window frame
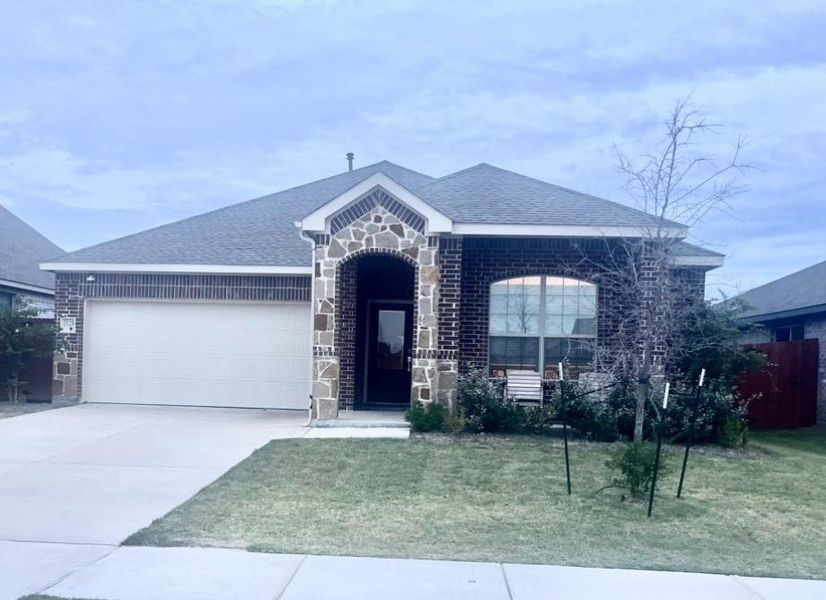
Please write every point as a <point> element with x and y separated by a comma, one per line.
<point>541,336</point>
<point>6,299</point>
<point>790,330</point>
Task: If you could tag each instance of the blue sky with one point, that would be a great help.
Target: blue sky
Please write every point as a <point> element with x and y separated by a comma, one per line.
<point>118,116</point>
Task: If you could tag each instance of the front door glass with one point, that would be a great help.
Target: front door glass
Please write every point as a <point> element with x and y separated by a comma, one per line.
<point>389,353</point>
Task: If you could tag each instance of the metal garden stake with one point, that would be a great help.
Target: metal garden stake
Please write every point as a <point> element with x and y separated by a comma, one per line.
<point>690,434</point>
<point>659,449</point>
<point>565,426</point>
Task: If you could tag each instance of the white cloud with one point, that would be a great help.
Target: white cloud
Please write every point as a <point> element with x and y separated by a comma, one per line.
<point>169,107</point>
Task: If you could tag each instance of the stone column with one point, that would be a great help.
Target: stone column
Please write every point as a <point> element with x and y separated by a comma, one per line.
<point>325,358</point>
<point>424,371</point>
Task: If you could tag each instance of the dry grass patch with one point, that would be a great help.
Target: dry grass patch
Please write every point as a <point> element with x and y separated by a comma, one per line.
<point>758,511</point>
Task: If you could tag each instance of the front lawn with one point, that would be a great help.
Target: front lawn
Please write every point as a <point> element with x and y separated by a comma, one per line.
<point>759,511</point>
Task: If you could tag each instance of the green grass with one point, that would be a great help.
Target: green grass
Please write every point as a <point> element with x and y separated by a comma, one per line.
<point>758,511</point>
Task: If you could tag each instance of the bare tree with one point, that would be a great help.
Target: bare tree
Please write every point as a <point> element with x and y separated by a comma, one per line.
<point>677,185</point>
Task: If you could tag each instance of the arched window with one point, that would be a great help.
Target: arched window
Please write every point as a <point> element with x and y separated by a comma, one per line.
<point>539,321</point>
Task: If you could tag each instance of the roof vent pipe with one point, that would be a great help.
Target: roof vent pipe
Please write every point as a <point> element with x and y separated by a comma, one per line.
<point>349,161</point>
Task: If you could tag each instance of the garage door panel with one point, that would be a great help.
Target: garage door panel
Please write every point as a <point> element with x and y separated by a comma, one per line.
<point>201,354</point>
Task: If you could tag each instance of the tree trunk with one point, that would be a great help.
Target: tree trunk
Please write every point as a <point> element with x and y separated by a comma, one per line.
<point>641,394</point>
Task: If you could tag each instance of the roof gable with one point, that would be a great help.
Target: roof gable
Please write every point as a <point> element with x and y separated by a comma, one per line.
<point>319,220</point>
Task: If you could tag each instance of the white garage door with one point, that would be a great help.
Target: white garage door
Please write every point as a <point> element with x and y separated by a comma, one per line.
<point>197,354</point>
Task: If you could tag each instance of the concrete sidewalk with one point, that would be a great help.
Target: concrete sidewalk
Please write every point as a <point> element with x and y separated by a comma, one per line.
<point>132,573</point>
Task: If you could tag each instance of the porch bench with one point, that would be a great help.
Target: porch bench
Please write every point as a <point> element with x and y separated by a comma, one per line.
<point>524,386</point>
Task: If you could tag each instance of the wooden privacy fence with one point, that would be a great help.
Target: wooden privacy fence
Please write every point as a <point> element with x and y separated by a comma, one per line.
<point>787,387</point>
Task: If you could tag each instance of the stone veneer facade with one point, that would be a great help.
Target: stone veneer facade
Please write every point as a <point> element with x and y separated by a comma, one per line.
<point>380,225</point>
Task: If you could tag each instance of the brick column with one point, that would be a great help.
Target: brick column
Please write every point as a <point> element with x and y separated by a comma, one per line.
<point>450,287</point>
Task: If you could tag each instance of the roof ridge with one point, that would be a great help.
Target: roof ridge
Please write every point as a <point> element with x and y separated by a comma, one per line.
<point>235,205</point>
<point>455,173</point>
<point>398,166</point>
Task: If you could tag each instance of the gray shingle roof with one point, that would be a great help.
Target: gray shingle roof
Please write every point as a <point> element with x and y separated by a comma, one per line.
<point>22,249</point>
<point>263,232</point>
<point>800,290</point>
<point>490,195</point>
<point>256,232</point>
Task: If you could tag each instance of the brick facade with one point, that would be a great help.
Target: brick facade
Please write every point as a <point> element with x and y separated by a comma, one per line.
<point>450,295</point>
<point>486,260</point>
<point>71,290</point>
<point>377,249</point>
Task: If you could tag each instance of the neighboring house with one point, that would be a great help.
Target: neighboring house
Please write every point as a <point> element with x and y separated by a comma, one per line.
<point>792,308</point>
<point>372,288</point>
<point>22,249</point>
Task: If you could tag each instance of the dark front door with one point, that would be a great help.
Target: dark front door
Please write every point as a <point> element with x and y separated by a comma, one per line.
<point>389,345</point>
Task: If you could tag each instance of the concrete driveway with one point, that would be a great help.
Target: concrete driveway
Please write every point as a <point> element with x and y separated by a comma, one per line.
<point>74,482</point>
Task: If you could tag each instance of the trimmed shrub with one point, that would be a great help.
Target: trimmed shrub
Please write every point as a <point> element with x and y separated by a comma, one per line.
<point>720,417</point>
<point>426,417</point>
<point>592,417</point>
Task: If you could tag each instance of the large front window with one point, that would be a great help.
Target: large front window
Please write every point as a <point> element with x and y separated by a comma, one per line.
<point>539,321</point>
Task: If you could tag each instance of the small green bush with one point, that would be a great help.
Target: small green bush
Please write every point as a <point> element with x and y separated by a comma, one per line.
<point>632,467</point>
<point>426,417</point>
<point>455,422</point>
<point>734,432</point>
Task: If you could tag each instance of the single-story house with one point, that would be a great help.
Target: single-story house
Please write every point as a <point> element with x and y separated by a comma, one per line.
<point>792,308</point>
<point>22,249</point>
<point>368,289</point>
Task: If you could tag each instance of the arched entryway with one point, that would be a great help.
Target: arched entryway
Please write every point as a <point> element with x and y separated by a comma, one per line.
<point>376,326</point>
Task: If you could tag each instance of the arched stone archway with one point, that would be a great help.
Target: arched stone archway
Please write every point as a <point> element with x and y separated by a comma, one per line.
<point>375,228</point>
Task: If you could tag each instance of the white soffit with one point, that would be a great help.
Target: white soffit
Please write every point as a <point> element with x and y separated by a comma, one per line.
<point>593,231</point>
<point>173,268</point>
<point>698,261</point>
